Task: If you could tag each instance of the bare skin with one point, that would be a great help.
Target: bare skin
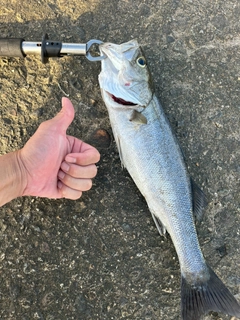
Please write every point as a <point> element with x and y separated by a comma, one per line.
<point>52,164</point>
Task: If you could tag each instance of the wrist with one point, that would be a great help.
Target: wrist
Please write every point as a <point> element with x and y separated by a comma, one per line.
<point>21,173</point>
<point>13,177</point>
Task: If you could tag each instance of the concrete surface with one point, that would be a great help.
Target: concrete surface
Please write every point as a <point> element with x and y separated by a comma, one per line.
<point>101,257</point>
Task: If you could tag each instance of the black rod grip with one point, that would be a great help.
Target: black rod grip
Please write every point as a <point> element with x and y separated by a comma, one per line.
<point>11,47</point>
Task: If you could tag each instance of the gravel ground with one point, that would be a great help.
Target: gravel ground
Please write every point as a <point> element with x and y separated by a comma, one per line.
<point>101,257</point>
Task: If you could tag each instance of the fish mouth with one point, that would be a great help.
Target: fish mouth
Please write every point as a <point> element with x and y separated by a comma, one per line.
<point>120,100</point>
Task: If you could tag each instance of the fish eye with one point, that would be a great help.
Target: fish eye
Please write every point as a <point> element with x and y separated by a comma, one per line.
<point>141,62</point>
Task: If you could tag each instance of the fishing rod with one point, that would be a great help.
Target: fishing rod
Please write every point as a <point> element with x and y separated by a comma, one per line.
<point>18,47</point>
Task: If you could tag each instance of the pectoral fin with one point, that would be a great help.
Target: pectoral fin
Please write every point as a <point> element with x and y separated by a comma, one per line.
<point>117,139</point>
<point>138,117</point>
<point>159,225</point>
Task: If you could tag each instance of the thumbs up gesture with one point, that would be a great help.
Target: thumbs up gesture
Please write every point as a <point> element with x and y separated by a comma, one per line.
<point>55,165</point>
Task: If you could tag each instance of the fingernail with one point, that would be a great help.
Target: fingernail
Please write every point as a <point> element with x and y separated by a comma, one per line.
<point>59,184</point>
<point>61,175</point>
<point>70,159</point>
<point>65,167</point>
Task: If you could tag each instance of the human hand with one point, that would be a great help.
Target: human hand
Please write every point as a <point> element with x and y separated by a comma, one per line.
<point>57,165</point>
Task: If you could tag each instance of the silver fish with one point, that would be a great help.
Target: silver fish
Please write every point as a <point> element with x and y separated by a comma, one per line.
<point>150,152</point>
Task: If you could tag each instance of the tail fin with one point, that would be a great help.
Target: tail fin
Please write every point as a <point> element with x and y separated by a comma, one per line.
<point>198,299</point>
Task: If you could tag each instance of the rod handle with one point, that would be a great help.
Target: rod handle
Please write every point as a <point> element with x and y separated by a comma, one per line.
<point>11,47</point>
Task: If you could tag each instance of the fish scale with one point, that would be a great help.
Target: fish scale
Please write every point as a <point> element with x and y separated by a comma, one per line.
<point>150,152</point>
<point>160,174</point>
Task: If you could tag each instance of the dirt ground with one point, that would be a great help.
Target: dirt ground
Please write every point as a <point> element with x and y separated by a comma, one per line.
<point>101,257</point>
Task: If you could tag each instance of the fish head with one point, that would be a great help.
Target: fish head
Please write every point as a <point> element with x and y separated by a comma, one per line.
<point>125,77</point>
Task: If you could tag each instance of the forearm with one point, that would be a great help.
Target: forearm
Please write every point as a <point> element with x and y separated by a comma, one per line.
<point>12,179</point>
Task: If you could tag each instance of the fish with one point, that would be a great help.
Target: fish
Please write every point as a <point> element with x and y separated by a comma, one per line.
<point>150,152</point>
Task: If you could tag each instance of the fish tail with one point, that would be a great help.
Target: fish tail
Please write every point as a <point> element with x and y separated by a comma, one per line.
<point>212,295</point>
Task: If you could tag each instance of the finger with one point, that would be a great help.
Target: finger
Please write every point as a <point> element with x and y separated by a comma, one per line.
<point>65,117</point>
<point>68,193</point>
<point>74,183</point>
<point>80,146</point>
<point>89,156</point>
<point>77,171</point>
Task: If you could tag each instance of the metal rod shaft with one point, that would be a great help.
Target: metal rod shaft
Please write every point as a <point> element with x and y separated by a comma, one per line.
<point>29,47</point>
<point>18,47</point>
<point>74,48</point>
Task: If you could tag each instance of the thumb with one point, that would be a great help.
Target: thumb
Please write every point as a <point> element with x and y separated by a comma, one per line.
<point>65,117</point>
